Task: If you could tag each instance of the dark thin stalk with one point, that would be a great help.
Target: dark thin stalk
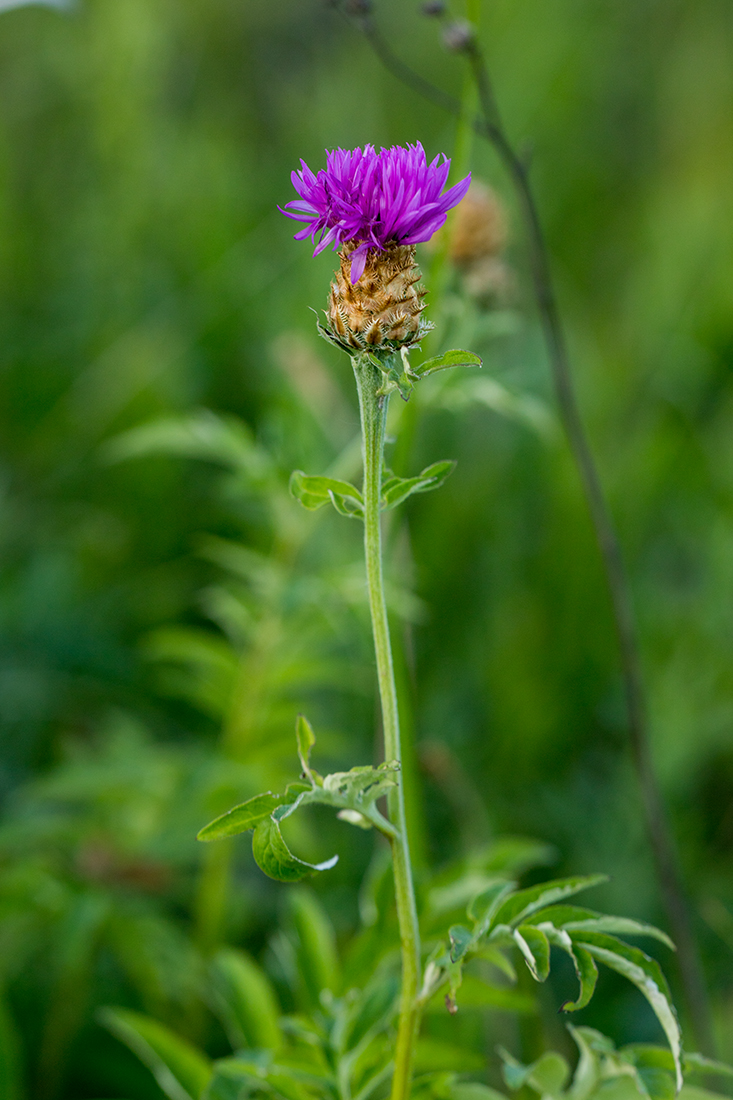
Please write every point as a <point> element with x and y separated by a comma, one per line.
<point>674,898</point>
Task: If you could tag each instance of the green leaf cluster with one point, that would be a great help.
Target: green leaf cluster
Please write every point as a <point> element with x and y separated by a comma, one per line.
<point>313,491</point>
<point>532,921</point>
<point>353,794</point>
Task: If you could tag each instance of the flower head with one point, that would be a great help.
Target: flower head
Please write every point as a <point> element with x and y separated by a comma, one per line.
<point>376,200</point>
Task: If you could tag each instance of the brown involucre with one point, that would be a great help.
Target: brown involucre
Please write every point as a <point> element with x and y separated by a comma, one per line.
<point>384,306</point>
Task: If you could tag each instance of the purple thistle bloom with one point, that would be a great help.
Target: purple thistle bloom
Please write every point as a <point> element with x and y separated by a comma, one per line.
<point>377,199</point>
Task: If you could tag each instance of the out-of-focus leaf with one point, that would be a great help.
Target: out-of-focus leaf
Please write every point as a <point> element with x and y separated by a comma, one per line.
<point>204,436</point>
<point>180,1069</point>
<point>478,994</point>
<point>11,1085</point>
<point>432,1055</point>
<point>698,1063</point>
<point>473,1090</point>
<point>306,739</point>
<point>548,1075</point>
<point>316,953</point>
<point>246,1000</point>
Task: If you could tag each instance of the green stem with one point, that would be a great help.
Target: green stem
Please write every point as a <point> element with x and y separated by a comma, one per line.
<point>373,409</point>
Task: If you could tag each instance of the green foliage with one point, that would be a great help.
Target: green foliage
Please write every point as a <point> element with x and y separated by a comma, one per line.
<point>353,794</point>
<point>181,1071</point>
<point>533,920</point>
<point>633,1071</point>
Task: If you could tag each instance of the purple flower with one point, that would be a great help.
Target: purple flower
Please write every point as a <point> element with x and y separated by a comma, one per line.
<point>376,199</point>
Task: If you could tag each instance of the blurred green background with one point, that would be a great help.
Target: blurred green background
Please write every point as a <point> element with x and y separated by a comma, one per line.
<point>165,609</point>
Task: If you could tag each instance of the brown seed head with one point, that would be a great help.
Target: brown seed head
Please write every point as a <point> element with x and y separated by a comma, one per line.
<point>385,306</point>
<point>479,226</point>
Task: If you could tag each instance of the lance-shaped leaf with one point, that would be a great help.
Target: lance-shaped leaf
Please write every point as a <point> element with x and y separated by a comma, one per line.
<point>397,489</point>
<point>518,907</point>
<point>273,856</point>
<point>313,492</point>
<point>646,975</point>
<point>445,361</point>
<point>242,818</point>
<point>574,918</point>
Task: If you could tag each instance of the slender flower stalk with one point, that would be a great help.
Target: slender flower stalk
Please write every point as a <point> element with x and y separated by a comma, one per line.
<point>373,408</point>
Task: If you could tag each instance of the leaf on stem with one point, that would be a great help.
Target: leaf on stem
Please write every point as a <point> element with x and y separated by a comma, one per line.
<point>313,492</point>
<point>397,489</point>
<point>445,361</point>
<point>242,818</point>
<point>273,856</point>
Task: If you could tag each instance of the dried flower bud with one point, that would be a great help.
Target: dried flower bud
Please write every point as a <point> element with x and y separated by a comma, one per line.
<point>458,36</point>
<point>434,7</point>
<point>479,226</point>
<point>385,306</point>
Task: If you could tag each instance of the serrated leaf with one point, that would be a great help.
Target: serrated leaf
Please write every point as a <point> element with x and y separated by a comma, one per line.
<point>314,491</point>
<point>445,361</point>
<point>180,1069</point>
<point>517,908</point>
<point>646,974</point>
<point>273,856</point>
<point>460,940</point>
<point>533,944</point>
<point>242,818</point>
<point>306,739</point>
<point>397,489</point>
